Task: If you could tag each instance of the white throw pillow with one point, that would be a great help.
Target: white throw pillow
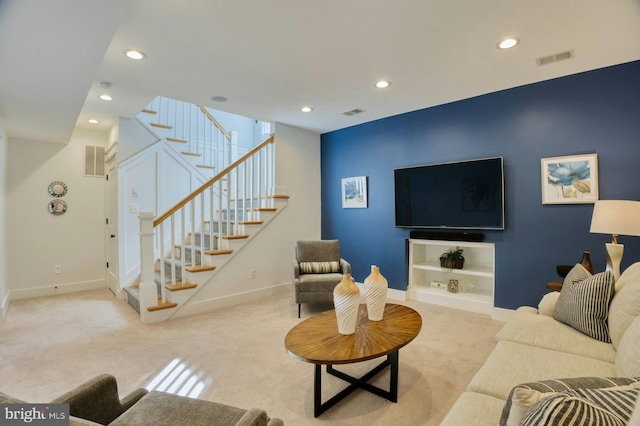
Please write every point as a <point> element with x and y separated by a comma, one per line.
<point>548,303</point>
<point>521,401</point>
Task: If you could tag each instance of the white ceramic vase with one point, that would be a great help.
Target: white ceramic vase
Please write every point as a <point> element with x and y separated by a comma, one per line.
<point>346,299</point>
<point>375,291</point>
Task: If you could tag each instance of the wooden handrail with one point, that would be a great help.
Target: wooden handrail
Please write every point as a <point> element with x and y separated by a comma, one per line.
<point>215,122</point>
<point>211,181</point>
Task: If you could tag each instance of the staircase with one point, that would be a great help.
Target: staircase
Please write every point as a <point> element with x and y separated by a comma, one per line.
<point>184,249</point>
<point>193,132</point>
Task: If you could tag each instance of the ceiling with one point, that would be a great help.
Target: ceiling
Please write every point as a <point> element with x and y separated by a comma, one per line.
<point>270,58</point>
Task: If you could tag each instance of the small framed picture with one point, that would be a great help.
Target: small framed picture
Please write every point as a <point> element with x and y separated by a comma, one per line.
<point>354,192</point>
<point>572,179</point>
<point>452,287</point>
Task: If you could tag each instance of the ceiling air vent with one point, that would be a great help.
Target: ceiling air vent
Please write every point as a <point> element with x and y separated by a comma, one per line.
<point>545,60</point>
<point>353,112</point>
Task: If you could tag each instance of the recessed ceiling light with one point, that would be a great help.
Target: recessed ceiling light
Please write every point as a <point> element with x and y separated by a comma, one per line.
<point>93,121</point>
<point>306,109</point>
<point>219,99</point>
<point>135,54</point>
<point>106,97</point>
<point>508,43</point>
<point>382,84</point>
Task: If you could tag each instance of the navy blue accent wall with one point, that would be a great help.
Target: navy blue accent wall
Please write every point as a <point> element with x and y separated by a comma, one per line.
<point>592,112</point>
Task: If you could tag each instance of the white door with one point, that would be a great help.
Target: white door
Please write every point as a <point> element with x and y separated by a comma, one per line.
<point>112,225</point>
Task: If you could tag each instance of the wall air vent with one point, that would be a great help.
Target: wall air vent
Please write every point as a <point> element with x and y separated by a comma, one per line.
<point>353,112</point>
<point>93,160</point>
<point>545,60</point>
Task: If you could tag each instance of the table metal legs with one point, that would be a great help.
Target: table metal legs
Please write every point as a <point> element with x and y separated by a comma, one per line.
<point>356,383</point>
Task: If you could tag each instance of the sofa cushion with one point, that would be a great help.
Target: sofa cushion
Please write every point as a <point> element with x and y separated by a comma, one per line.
<point>319,267</point>
<point>584,407</point>
<point>160,408</point>
<point>625,306</point>
<point>635,416</point>
<point>511,363</point>
<point>319,283</point>
<point>628,355</point>
<point>526,326</point>
<point>584,305</point>
<point>524,396</point>
<point>474,409</point>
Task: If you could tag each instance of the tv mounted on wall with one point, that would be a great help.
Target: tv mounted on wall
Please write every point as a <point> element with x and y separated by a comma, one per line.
<point>458,195</point>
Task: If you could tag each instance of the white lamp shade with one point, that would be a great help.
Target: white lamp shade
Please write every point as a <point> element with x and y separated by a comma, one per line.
<point>616,217</point>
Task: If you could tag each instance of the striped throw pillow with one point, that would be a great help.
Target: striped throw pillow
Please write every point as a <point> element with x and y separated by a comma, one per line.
<point>319,267</point>
<point>584,407</point>
<point>525,395</point>
<point>584,305</point>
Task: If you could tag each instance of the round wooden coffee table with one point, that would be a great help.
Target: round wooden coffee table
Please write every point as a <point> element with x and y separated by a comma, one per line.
<point>316,340</point>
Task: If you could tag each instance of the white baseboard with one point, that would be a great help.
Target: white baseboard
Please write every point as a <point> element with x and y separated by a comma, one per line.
<point>52,290</point>
<point>392,293</point>
<point>231,300</point>
<point>399,295</point>
<point>4,308</point>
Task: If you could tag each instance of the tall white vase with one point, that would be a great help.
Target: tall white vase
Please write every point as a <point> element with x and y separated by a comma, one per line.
<point>375,291</point>
<point>346,299</point>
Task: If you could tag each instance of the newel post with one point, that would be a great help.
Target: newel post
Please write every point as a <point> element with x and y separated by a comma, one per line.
<point>148,289</point>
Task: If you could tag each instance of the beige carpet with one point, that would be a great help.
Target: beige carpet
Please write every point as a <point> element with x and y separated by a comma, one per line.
<point>234,356</point>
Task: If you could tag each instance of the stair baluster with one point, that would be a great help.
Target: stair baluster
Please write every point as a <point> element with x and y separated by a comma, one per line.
<point>241,189</point>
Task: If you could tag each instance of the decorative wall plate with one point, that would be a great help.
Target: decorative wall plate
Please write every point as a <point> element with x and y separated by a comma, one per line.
<point>57,207</point>
<point>57,188</point>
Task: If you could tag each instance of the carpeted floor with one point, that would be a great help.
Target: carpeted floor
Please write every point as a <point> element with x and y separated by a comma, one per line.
<point>234,356</point>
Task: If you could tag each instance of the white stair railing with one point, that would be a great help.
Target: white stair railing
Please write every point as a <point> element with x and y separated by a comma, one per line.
<point>206,219</point>
<point>194,126</point>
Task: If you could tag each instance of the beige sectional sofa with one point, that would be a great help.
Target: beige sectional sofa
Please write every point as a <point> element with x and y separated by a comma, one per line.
<point>533,346</point>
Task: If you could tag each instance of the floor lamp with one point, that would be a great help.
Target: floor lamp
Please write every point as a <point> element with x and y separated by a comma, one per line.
<point>615,217</point>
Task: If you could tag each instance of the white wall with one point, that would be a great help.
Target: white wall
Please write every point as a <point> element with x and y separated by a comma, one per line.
<point>271,252</point>
<point>243,125</point>
<point>38,241</point>
<point>298,169</point>
<point>4,301</point>
<point>154,180</point>
<point>132,138</point>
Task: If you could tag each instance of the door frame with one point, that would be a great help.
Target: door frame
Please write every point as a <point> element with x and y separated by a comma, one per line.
<point>112,281</point>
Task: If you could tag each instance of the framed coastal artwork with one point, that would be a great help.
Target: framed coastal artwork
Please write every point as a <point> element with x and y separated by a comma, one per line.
<point>571,179</point>
<point>354,192</point>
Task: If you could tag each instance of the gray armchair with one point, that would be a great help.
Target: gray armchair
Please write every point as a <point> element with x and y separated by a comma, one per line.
<point>317,269</point>
<point>96,403</point>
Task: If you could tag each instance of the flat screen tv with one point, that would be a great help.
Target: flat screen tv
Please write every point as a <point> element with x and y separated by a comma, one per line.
<point>458,195</point>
